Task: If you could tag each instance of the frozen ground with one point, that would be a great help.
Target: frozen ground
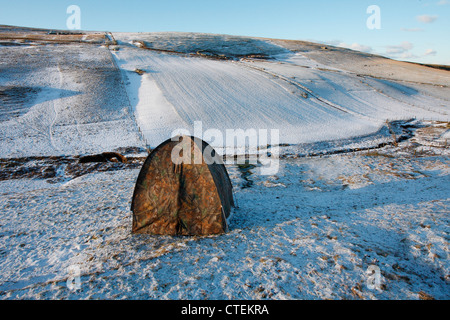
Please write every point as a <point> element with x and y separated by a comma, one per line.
<point>359,183</point>
<point>309,232</point>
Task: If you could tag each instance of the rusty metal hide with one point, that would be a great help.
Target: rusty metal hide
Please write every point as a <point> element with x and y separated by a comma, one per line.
<point>183,188</point>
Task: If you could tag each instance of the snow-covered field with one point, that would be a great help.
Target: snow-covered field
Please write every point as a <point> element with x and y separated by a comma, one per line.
<point>71,101</point>
<point>290,93</point>
<point>360,184</point>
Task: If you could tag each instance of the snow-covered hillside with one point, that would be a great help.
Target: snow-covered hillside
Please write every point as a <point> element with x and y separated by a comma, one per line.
<point>304,99</point>
<point>362,181</point>
<point>75,98</point>
<point>71,98</point>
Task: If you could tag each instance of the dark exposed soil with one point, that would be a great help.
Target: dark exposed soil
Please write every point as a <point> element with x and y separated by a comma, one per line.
<point>55,169</point>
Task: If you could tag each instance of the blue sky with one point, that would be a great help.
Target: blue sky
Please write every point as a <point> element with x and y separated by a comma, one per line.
<point>412,30</point>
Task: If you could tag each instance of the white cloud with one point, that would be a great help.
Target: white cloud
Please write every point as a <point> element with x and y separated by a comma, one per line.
<point>412,29</point>
<point>443,2</point>
<point>360,47</point>
<point>331,42</point>
<point>404,51</point>
<point>353,46</point>
<point>430,52</point>
<point>407,55</point>
<point>399,49</point>
<point>426,18</point>
<point>356,46</point>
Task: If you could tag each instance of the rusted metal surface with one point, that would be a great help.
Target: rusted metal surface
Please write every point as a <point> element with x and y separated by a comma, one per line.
<point>185,198</point>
